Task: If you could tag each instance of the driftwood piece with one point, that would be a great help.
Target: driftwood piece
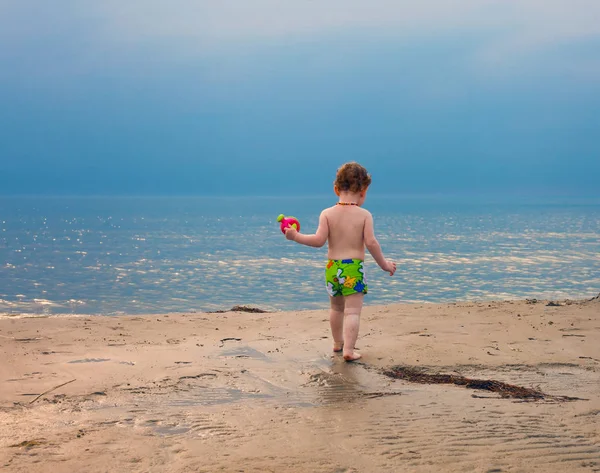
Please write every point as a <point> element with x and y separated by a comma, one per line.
<point>53,389</point>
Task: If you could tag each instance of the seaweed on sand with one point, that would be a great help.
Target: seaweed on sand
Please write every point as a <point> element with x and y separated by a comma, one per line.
<point>505,390</point>
<point>240,308</point>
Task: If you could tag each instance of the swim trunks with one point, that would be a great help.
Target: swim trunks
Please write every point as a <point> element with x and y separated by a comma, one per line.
<point>345,277</point>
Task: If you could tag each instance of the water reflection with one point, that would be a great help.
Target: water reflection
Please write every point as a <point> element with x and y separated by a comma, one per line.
<point>140,256</point>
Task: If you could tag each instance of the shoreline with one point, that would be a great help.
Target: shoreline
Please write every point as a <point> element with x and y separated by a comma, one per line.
<point>199,391</point>
<point>252,307</point>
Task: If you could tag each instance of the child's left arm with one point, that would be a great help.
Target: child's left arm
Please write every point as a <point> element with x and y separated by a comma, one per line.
<point>317,240</point>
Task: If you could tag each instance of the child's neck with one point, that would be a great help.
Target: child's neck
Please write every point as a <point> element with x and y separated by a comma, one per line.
<point>349,198</point>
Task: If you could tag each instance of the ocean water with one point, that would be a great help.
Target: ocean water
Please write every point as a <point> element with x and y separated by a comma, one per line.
<point>140,255</point>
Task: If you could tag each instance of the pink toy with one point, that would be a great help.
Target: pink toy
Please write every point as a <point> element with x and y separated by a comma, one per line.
<point>288,222</point>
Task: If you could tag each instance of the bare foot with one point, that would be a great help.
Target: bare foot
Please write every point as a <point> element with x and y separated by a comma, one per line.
<point>352,356</point>
<point>338,346</point>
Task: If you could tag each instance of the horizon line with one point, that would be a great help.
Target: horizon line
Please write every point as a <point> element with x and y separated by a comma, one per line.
<point>507,195</point>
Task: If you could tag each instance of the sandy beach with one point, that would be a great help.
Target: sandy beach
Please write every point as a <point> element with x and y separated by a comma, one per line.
<point>262,392</point>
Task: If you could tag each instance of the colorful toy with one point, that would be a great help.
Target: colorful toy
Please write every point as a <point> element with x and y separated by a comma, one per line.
<point>288,222</point>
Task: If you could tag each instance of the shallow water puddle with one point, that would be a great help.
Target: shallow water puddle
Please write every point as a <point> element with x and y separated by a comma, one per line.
<point>90,360</point>
<point>167,430</point>
<point>245,352</point>
<point>210,396</point>
<point>311,384</point>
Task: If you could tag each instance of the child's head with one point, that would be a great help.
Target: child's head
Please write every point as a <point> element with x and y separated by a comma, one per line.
<point>352,177</point>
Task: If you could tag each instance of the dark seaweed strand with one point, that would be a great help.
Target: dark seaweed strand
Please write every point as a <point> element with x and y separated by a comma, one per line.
<point>505,390</point>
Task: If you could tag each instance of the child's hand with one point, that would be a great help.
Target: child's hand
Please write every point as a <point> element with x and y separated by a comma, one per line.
<point>389,267</point>
<point>290,233</point>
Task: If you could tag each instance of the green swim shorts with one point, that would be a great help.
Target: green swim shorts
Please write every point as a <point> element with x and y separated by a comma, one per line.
<point>345,277</point>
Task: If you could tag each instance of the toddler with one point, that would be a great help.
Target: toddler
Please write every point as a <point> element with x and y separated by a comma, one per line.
<point>348,229</point>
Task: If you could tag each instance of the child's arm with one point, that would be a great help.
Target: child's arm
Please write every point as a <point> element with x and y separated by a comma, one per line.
<point>375,249</point>
<point>317,240</point>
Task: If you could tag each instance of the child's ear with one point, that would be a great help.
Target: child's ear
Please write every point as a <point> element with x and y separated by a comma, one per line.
<point>336,190</point>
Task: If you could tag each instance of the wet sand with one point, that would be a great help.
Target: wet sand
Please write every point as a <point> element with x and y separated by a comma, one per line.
<point>240,392</point>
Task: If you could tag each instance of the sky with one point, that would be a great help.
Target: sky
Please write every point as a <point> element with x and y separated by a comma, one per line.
<point>269,97</point>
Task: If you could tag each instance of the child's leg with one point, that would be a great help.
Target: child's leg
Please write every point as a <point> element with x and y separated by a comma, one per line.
<point>352,307</point>
<point>336,321</point>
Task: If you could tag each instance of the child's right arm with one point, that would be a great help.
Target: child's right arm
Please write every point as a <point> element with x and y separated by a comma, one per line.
<point>317,240</point>
<point>374,248</point>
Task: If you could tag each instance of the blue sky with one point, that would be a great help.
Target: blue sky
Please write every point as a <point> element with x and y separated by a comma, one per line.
<point>269,97</point>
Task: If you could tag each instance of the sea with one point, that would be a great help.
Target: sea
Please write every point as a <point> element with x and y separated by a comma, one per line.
<point>146,255</point>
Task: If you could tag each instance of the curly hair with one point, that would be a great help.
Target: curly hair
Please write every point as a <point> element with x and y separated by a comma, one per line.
<point>352,177</point>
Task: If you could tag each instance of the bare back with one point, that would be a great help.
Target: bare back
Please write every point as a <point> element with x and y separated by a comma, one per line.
<point>346,231</point>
